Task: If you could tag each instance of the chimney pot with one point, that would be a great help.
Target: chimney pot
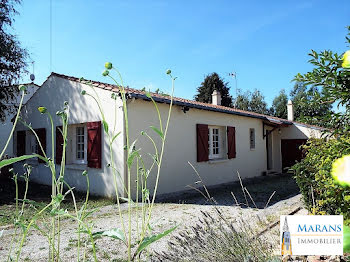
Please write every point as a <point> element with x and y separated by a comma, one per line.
<point>216,98</point>
<point>290,111</point>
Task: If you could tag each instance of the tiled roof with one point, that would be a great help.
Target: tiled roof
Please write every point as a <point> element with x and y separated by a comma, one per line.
<point>181,101</point>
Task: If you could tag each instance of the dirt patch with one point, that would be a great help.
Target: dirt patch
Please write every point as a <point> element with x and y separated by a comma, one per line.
<point>165,215</point>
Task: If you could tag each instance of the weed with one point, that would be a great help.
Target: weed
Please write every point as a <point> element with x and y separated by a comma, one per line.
<point>215,238</point>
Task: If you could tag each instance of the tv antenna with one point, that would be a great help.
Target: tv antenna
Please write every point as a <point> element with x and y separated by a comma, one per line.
<point>233,74</point>
<point>32,76</point>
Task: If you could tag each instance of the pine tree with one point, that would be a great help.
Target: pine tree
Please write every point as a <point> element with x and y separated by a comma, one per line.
<point>13,56</point>
<point>211,82</point>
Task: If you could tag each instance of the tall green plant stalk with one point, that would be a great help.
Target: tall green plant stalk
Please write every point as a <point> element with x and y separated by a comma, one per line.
<point>58,183</point>
<point>22,89</point>
<point>162,146</point>
<point>142,172</point>
<point>111,138</point>
<point>19,214</point>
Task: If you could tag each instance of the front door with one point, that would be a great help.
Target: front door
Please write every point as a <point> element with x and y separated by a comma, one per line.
<point>269,149</point>
<point>291,152</point>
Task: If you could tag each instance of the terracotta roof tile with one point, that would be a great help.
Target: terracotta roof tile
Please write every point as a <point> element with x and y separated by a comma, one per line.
<point>182,101</point>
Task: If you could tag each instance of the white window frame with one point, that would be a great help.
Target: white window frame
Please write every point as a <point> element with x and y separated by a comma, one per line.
<point>74,145</point>
<point>220,147</point>
<point>252,143</point>
<point>32,145</point>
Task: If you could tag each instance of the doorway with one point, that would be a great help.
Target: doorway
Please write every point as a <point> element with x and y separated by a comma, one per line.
<point>269,162</point>
<point>291,152</point>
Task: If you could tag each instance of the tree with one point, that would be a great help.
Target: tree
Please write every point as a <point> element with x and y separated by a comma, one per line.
<point>279,105</point>
<point>258,104</point>
<point>13,57</point>
<point>242,101</point>
<point>251,101</point>
<point>307,107</point>
<point>334,80</point>
<point>211,82</point>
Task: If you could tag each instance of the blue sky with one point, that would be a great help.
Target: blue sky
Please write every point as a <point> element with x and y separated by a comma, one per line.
<point>265,42</point>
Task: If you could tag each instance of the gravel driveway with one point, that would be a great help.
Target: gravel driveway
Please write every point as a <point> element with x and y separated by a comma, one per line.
<point>260,189</point>
<point>166,215</point>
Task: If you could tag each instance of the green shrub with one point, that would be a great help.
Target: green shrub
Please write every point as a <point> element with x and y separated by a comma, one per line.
<point>313,176</point>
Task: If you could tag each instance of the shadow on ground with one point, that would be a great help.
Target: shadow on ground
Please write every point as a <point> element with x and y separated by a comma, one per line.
<point>259,188</point>
<point>36,192</point>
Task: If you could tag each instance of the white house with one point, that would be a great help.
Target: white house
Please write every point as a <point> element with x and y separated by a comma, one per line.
<point>6,126</point>
<point>217,140</point>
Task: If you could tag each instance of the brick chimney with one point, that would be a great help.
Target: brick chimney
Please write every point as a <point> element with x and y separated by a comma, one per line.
<point>290,111</point>
<point>216,98</point>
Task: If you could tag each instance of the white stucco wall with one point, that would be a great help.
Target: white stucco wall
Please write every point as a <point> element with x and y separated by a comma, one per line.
<point>83,109</point>
<point>6,126</point>
<point>300,131</point>
<point>181,146</point>
<point>276,150</point>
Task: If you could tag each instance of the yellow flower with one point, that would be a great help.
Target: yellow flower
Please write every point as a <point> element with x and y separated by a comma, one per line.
<point>108,65</point>
<point>42,109</point>
<point>346,60</point>
<point>341,170</point>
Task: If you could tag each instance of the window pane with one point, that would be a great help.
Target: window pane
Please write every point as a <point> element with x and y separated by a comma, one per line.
<point>252,138</point>
<point>80,143</point>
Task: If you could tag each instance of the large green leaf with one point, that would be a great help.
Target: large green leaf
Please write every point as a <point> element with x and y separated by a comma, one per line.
<point>160,133</point>
<point>346,246</point>
<point>114,233</point>
<point>7,162</point>
<point>116,136</point>
<point>132,154</point>
<point>149,240</point>
<point>105,126</point>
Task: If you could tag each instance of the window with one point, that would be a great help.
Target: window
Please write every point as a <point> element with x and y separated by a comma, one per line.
<point>31,144</point>
<point>84,144</point>
<point>215,143</point>
<point>252,138</point>
<point>78,144</point>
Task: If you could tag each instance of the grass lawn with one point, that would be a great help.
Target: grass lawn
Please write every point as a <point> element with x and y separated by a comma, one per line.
<point>41,195</point>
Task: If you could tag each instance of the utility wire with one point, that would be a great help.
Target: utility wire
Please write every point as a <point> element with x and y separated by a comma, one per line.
<point>50,36</point>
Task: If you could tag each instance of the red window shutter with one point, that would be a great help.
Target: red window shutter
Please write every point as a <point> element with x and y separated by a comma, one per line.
<point>231,142</point>
<point>21,143</point>
<point>94,148</point>
<point>59,144</point>
<point>41,132</point>
<point>202,143</point>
